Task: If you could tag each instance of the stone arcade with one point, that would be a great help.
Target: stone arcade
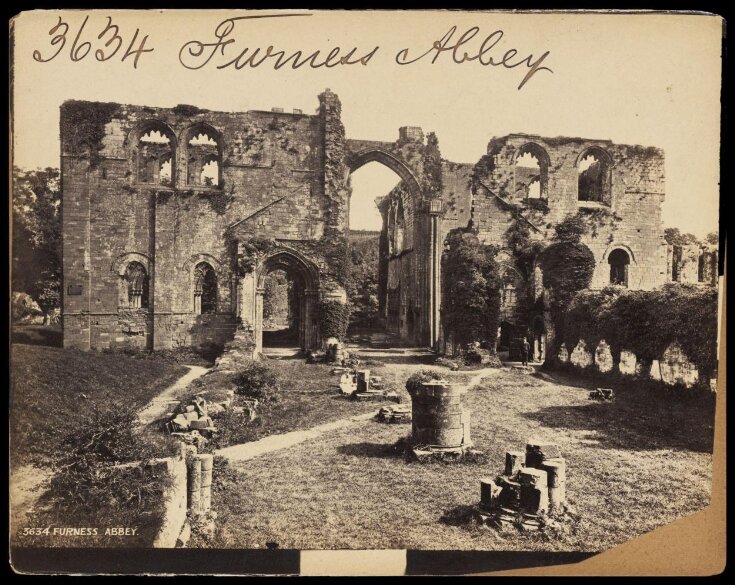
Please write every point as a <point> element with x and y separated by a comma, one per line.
<point>174,217</point>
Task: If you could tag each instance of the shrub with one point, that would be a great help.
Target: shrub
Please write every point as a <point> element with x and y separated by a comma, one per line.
<point>257,380</point>
<point>473,356</point>
<point>647,322</point>
<point>109,435</point>
<point>420,377</point>
<point>471,289</point>
<point>88,487</point>
<point>334,318</point>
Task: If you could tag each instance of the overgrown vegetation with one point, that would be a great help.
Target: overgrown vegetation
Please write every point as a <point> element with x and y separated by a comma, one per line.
<point>334,318</point>
<point>362,288</point>
<point>647,322</point>
<point>485,166</point>
<point>36,260</point>
<point>431,184</point>
<point>83,127</point>
<point>524,248</point>
<point>75,414</point>
<point>257,380</point>
<point>252,252</point>
<point>567,266</point>
<point>470,290</point>
<point>421,377</point>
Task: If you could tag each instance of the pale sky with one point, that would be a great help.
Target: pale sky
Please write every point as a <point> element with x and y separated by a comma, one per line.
<point>634,79</point>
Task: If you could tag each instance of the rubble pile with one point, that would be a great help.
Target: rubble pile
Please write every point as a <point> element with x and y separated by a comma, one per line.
<point>359,385</point>
<point>602,394</point>
<point>523,369</point>
<point>400,413</point>
<point>531,490</point>
<point>193,422</point>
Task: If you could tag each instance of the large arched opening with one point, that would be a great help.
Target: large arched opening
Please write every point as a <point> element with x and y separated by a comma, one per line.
<point>381,190</point>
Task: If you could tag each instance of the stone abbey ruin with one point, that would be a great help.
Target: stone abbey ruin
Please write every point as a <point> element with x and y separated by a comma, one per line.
<point>174,217</point>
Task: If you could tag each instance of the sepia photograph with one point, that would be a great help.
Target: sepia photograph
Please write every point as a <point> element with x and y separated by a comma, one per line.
<point>434,281</point>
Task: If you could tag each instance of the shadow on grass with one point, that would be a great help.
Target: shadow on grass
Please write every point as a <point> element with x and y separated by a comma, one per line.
<point>379,450</point>
<point>464,516</point>
<point>48,335</point>
<point>638,422</point>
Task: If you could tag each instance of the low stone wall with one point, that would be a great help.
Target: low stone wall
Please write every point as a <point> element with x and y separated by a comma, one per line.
<point>174,517</point>
<point>674,367</point>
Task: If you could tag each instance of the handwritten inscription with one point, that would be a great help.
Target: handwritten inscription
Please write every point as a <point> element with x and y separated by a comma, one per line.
<point>197,54</point>
<point>483,55</point>
<point>225,50</point>
<point>108,43</point>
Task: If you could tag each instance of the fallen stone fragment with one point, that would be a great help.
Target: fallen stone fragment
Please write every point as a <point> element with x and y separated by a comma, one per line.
<point>538,451</point>
<point>603,394</point>
<point>394,414</point>
<point>514,460</point>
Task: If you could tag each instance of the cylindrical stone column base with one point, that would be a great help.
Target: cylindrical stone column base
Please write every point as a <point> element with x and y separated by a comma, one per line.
<point>556,477</point>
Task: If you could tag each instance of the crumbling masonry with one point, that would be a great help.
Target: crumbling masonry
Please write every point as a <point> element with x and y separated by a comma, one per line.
<point>173,218</point>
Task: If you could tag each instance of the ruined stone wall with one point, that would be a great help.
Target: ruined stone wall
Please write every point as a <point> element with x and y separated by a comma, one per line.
<point>673,367</point>
<point>406,267</point>
<point>456,196</point>
<point>630,219</point>
<point>271,185</point>
<point>693,263</point>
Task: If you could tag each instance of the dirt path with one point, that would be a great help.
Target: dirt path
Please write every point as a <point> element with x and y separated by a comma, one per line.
<point>26,487</point>
<point>159,405</point>
<point>272,443</point>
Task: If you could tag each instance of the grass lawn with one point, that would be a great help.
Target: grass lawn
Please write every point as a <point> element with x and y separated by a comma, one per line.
<point>309,396</point>
<point>49,335</point>
<point>59,399</point>
<point>632,465</point>
<point>53,390</point>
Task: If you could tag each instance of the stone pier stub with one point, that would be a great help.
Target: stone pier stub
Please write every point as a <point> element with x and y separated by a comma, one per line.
<point>440,420</point>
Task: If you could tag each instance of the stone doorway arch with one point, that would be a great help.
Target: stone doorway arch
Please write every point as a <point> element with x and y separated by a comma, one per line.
<point>305,277</point>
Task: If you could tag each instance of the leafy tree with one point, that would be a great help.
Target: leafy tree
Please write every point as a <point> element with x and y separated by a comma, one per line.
<point>276,297</point>
<point>471,290</point>
<point>568,266</point>
<point>712,238</point>
<point>36,238</point>
<point>362,286</point>
<point>674,237</point>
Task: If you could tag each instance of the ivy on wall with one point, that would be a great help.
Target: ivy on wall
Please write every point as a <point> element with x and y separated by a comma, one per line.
<point>647,322</point>
<point>432,183</point>
<point>568,266</point>
<point>524,248</point>
<point>252,252</point>
<point>484,167</point>
<point>83,126</point>
<point>471,290</point>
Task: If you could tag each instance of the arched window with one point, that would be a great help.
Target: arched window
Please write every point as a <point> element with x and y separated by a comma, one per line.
<point>205,289</point>
<point>532,172</point>
<point>136,280</point>
<point>155,156</point>
<point>203,157</point>
<point>593,181</point>
<point>618,261</point>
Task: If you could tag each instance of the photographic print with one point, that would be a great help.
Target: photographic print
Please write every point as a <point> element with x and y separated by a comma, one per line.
<point>430,281</point>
